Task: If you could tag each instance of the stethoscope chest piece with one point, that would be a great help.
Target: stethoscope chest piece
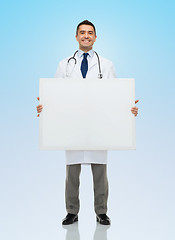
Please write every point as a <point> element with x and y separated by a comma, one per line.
<point>100,75</point>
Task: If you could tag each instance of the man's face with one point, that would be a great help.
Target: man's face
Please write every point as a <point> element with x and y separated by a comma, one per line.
<point>86,37</point>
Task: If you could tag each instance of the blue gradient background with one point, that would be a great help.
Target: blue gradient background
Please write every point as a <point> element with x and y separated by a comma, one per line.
<point>139,37</point>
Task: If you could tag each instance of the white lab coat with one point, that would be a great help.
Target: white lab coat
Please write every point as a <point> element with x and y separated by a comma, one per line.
<point>73,70</point>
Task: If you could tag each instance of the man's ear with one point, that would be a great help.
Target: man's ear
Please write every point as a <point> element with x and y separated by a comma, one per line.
<point>76,37</point>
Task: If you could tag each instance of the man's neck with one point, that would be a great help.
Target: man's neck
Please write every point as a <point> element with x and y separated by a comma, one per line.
<point>85,49</point>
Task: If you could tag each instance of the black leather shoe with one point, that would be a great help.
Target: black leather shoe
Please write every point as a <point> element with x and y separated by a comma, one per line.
<point>103,219</point>
<point>69,219</point>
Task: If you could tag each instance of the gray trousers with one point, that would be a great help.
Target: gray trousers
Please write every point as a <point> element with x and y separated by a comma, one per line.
<point>99,172</point>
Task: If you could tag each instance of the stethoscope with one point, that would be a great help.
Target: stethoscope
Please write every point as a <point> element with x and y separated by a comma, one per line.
<point>100,75</point>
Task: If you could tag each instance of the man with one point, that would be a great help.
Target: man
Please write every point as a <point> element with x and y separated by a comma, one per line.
<point>86,64</point>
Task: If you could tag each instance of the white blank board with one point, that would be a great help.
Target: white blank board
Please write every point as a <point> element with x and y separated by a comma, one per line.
<point>88,114</point>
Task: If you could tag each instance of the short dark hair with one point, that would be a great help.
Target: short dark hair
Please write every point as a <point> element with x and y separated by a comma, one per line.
<point>85,22</point>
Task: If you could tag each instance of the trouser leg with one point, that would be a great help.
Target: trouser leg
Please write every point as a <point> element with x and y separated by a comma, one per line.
<point>100,180</point>
<point>72,188</point>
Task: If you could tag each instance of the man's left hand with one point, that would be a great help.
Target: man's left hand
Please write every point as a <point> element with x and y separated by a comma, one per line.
<point>134,110</point>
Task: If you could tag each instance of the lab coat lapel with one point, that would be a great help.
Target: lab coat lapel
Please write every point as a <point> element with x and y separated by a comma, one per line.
<point>76,71</point>
<point>93,62</point>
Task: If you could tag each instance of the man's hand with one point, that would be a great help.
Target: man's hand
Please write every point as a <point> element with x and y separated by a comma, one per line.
<point>134,110</point>
<point>39,108</point>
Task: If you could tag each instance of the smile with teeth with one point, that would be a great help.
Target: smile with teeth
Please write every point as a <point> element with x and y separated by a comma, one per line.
<point>86,40</point>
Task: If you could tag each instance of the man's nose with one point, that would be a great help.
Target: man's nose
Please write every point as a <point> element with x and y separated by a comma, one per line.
<point>86,35</point>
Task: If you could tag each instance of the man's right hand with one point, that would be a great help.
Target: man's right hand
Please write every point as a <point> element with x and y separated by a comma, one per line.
<point>39,108</point>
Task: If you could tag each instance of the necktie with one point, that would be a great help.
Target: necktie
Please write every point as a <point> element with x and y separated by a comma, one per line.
<point>84,65</point>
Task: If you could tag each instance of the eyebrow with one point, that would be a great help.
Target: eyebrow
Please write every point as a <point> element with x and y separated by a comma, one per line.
<point>87,31</point>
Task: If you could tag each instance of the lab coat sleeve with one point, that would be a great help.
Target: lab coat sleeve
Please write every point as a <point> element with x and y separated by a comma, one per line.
<point>111,72</point>
<point>61,71</point>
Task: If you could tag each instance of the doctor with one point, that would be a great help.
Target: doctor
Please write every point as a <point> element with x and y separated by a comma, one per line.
<point>85,63</point>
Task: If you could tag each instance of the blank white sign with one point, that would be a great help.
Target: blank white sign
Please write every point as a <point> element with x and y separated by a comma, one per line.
<point>88,114</point>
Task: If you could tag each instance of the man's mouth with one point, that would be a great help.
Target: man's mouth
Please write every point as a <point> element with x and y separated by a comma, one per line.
<point>86,40</point>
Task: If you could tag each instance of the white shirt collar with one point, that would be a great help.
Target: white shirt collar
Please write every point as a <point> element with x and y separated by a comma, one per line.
<point>80,53</point>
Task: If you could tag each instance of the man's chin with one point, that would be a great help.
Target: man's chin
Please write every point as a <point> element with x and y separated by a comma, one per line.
<point>86,47</point>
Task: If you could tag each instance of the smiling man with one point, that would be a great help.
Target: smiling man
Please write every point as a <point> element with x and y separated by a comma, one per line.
<point>85,63</point>
<point>86,36</point>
